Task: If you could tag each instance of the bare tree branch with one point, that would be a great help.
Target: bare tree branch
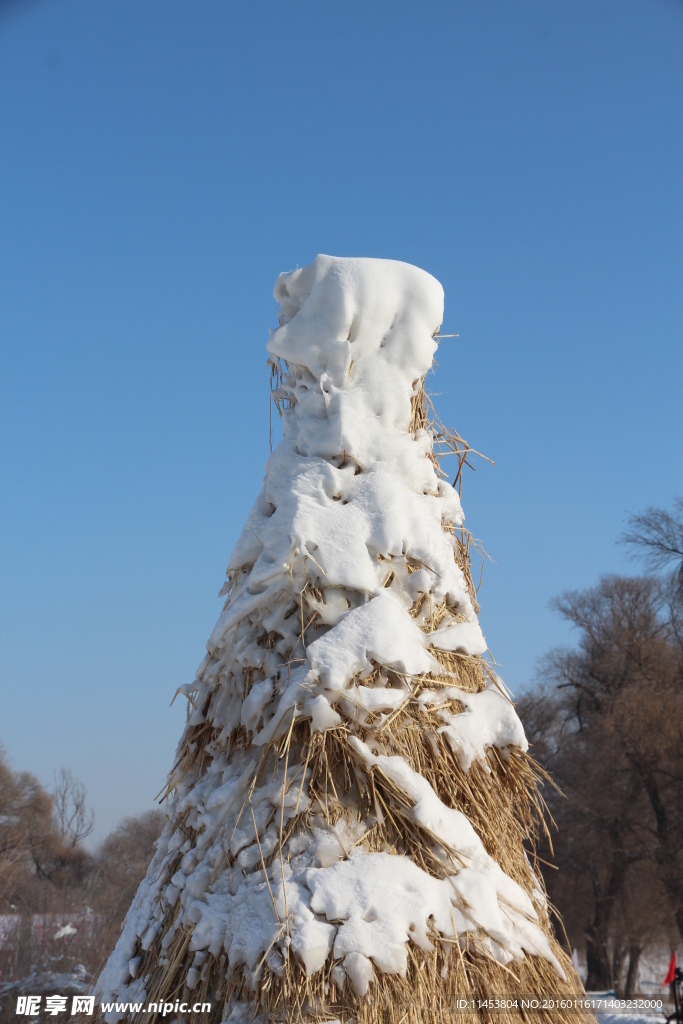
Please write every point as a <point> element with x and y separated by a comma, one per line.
<point>655,536</point>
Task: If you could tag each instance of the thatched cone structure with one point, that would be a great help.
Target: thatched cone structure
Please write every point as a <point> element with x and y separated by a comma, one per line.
<point>352,791</point>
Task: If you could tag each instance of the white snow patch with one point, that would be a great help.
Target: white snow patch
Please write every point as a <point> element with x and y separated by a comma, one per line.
<point>461,636</point>
<point>380,630</point>
<point>488,720</point>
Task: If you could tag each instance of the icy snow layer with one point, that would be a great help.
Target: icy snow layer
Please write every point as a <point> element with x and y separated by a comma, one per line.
<point>333,586</point>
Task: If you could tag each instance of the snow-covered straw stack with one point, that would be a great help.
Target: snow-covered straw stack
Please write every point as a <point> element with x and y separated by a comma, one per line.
<point>352,789</point>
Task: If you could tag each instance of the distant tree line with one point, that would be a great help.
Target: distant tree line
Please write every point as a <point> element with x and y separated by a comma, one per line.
<point>61,906</point>
<point>606,721</point>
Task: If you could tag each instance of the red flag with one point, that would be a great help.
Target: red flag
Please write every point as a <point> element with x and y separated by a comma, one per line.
<point>671,973</point>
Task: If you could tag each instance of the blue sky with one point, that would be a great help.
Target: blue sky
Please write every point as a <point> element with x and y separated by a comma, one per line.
<point>162,162</point>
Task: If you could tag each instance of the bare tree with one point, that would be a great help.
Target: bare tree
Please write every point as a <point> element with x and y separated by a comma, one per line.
<point>656,537</point>
<point>74,821</point>
<point>39,874</point>
<point>46,875</point>
<point>598,815</point>
<point>609,730</point>
<point>25,822</point>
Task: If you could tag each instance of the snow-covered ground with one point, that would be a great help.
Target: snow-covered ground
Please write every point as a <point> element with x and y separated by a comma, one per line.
<point>625,1017</point>
<point>642,1009</point>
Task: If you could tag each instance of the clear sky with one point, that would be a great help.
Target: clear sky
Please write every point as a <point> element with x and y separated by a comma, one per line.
<point>162,162</point>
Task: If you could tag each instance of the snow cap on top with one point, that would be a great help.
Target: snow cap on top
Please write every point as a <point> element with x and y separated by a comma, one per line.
<point>340,309</point>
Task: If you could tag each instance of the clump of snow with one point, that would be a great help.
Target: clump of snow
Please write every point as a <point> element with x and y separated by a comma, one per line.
<point>488,720</point>
<point>383,901</point>
<point>460,636</point>
<point>380,630</point>
<point>331,594</point>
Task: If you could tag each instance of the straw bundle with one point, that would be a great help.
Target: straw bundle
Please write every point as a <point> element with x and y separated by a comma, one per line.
<point>352,793</point>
